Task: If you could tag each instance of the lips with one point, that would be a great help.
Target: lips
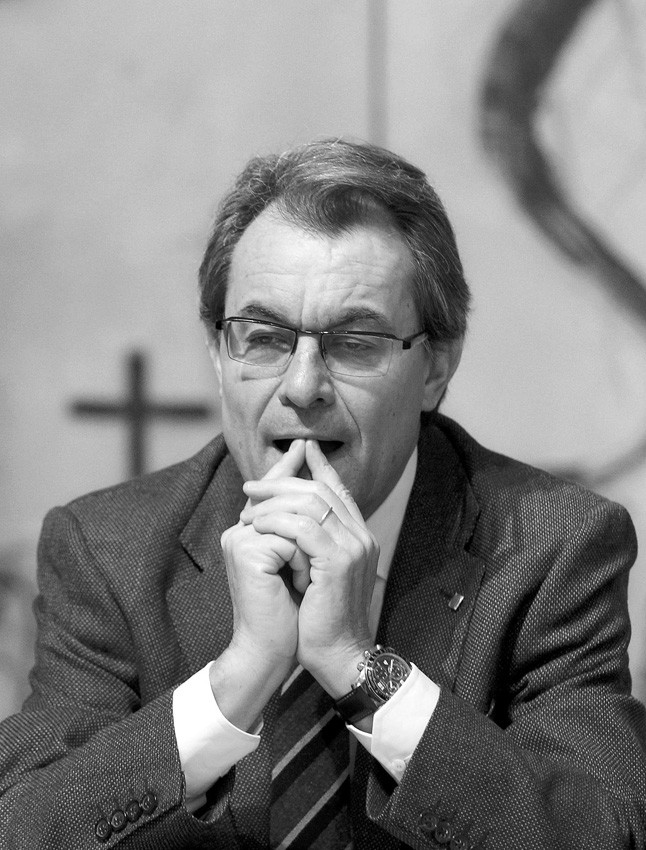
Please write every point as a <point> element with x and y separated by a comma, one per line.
<point>328,447</point>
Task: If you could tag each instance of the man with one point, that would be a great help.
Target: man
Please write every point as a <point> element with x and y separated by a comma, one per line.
<point>202,629</point>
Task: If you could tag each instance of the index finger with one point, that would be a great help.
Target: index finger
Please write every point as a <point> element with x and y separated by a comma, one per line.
<point>286,466</point>
<point>322,470</point>
<point>289,464</point>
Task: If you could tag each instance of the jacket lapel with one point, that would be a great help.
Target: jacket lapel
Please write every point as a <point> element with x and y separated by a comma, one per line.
<point>198,595</point>
<point>429,598</point>
<point>434,580</point>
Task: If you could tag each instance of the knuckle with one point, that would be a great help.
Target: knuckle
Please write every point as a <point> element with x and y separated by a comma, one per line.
<point>368,540</point>
<point>344,494</point>
<point>367,547</point>
<point>374,549</point>
<point>235,538</point>
<point>307,524</point>
<point>321,490</point>
<point>357,551</point>
<point>313,502</point>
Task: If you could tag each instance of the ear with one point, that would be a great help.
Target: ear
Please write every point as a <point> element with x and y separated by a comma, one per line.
<point>213,345</point>
<point>443,360</point>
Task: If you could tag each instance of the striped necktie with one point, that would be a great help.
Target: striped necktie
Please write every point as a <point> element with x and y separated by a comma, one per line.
<point>310,785</point>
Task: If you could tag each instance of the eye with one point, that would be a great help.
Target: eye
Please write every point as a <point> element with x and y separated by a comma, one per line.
<point>355,345</point>
<point>266,337</point>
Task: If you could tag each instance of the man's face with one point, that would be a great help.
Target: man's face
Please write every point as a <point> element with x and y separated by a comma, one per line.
<point>358,280</point>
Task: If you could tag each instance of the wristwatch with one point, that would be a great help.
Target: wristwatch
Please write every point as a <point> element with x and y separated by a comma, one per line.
<point>382,673</point>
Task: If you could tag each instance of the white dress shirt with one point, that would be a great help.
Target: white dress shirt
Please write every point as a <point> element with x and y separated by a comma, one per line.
<point>209,745</point>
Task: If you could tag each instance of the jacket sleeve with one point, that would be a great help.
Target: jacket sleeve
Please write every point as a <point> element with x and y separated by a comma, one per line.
<point>561,760</point>
<point>85,764</point>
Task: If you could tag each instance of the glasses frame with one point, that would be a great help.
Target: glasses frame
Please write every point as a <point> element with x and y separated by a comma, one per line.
<point>407,342</point>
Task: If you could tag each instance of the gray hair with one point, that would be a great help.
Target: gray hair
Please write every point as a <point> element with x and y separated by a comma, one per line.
<point>329,186</point>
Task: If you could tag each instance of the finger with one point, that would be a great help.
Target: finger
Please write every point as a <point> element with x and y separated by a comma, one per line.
<point>300,566</point>
<point>289,464</point>
<point>273,551</point>
<point>313,539</point>
<point>286,466</point>
<point>283,547</point>
<point>296,502</point>
<point>295,495</point>
<point>322,470</point>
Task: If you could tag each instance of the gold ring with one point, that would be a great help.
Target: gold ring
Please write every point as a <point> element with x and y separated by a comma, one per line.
<point>326,515</point>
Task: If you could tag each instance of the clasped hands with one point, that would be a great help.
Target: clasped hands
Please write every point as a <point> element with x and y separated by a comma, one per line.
<point>301,578</point>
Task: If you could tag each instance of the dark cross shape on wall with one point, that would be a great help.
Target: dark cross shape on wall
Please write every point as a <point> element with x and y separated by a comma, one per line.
<point>137,410</point>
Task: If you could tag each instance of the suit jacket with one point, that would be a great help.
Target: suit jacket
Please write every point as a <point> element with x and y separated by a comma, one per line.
<point>535,742</point>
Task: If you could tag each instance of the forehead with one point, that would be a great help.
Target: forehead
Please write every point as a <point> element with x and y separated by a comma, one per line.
<point>283,270</point>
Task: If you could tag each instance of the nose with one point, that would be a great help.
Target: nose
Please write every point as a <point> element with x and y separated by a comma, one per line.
<point>306,381</point>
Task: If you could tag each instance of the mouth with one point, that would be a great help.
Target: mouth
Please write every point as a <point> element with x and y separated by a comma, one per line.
<point>328,447</point>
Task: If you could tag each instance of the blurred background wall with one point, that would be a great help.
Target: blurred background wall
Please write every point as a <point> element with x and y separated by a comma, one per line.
<point>122,123</point>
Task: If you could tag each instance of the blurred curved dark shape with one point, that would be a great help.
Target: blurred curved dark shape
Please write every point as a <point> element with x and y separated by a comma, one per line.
<point>521,60</point>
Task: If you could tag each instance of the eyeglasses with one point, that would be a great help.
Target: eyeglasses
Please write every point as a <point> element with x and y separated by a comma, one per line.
<point>359,354</point>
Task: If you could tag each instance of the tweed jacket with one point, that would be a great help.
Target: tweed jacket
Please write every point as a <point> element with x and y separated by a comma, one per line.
<point>535,743</point>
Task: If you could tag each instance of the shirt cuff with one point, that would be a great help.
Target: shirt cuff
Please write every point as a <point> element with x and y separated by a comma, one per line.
<point>208,744</point>
<point>399,724</point>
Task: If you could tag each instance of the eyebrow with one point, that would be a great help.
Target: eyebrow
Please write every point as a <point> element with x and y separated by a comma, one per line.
<point>352,316</point>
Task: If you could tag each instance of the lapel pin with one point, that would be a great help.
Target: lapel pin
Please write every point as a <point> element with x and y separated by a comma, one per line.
<point>455,601</point>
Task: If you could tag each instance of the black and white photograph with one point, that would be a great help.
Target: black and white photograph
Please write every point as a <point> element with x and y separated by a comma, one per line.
<point>323,424</point>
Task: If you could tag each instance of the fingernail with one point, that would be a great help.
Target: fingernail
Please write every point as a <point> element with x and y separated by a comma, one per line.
<point>319,457</point>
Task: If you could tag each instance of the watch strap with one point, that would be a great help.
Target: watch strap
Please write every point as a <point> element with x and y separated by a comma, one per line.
<point>355,705</point>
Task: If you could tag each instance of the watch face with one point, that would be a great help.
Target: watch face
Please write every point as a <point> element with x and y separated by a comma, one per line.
<point>386,674</point>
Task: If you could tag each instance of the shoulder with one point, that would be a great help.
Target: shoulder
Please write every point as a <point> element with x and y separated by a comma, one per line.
<point>162,499</point>
<point>521,503</point>
<point>505,481</point>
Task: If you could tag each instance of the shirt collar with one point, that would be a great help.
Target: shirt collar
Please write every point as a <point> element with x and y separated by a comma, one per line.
<point>386,522</point>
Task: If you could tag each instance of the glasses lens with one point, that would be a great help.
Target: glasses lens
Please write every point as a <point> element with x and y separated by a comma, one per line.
<point>259,345</point>
<point>363,356</point>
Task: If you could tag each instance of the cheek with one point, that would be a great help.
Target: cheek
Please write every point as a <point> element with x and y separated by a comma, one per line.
<point>387,419</point>
<point>396,422</point>
<point>239,427</point>
<point>398,427</point>
<point>241,398</point>
<point>236,409</point>
<point>403,401</point>
<point>243,405</point>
